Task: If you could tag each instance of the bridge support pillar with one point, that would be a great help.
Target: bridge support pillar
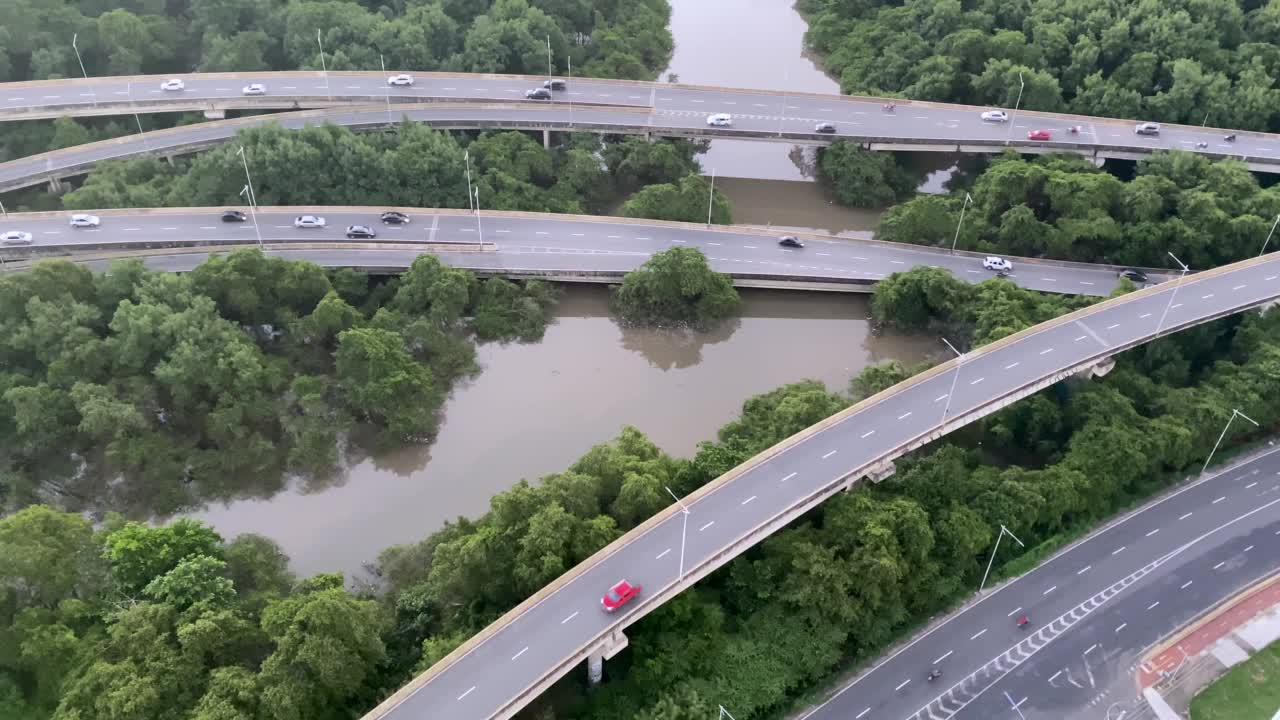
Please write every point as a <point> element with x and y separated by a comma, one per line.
<point>613,645</point>
<point>1102,367</point>
<point>212,114</point>
<point>55,186</point>
<point>170,159</point>
<point>1099,161</point>
<point>878,473</point>
<point>546,139</point>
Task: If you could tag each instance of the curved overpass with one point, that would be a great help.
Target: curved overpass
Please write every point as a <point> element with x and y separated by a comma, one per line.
<point>610,106</point>
<point>506,665</point>
<point>568,247</point>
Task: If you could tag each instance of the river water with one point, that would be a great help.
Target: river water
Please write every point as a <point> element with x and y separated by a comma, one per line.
<point>536,408</point>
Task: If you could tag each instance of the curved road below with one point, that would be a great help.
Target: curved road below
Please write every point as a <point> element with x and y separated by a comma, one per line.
<point>507,664</point>
<point>531,243</point>
<point>1193,548</point>
<point>469,102</point>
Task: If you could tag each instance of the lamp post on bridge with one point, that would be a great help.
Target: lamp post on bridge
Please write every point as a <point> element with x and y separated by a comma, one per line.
<point>725,714</point>
<point>684,530</point>
<point>323,68</point>
<point>959,364</point>
<point>249,195</point>
<point>1268,240</point>
<point>967,199</point>
<point>74,37</point>
<point>1172,295</point>
<point>1021,86</point>
<point>1003,531</point>
<point>1226,427</point>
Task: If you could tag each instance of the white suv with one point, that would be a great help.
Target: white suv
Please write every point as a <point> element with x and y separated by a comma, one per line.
<point>720,120</point>
<point>998,264</point>
<point>83,220</point>
<point>173,84</point>
<point>400,80</point>
<point>255,89</point>
<point>308,221</point>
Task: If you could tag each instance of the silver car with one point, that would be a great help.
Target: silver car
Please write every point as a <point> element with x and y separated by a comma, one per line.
<point>308,221</point>
<point>720,120</point>
<point>81,220</point>
<point>15,237</point>
<point>255,89</point>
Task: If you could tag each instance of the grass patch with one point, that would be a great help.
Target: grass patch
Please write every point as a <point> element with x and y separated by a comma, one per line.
<point>1250,691</point>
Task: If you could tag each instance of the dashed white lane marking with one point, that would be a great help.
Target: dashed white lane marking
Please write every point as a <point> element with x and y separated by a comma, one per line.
<point>716,244</point>
<point>833,452</point>
<point>1248,548</point>
<point>468,692</point>
<point>940,398</point>
<point>975,382</point>
<point>704,527</point>
<point>578,234</point>
<point>856,257</point>
<point>642,238</point>
<point>52,232</point>
<point>1081,338</point>
<point>824,254</point>
<point>902,684</point>
<point>978,634</point>
<point>1269,277</point>
<point>753,497</point>
<point>898,262</point>
<point>1153,605</point>
<point>1044,279</point>
<point>613,237</point>
<point>682,242</point>
<point>1113,327</point>
<point>868,434</point>
<point>131,229</point>
<point>1011,366</point>
<point>1118,550</point>
<point>859,715</point>
<point>1246,487</point>
<point>1054,676</point>
<point>174,228</point>
<point>54,97</point>
<point>906,415</point>
<point>526,648</point>
<point>574,615</point>
<point>1174,307</point>
<point>1046,351</point>
<point>1215,567</point>
<point>788,477</point>
<point>207,227</point>
<point>1046,592</point>
<point>1206,297</point>
<point>661,554</point>
<point>1215,502</point>
<point>1144,316</point>
<point>1121,626</point>
<point>1011,612</point>
<point>1091,648</point>
<point>1184,517</point>
<point>1186,585</point>
<point>1083,282</point>
<point>945,655</point>
<point>1153,532</point>
<point>1084,570</point>
<point>87,95</point>
<point>290,87</point>
<point>540,232</point>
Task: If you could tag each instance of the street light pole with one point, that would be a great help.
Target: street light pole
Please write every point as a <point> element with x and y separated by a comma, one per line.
<point>323,67</point>
<point>479,230</point>
<point>386,87</point>
<point>74,37</point>
<point>466,158</point>
<point>684,529</point>
<point>1172,295</point>
<point>711,196</point>
<point>1273,232</point>
<point>1014,705</point>
<point>1003,531</point>
<point>1234,413</point>
<point>959,364</point>
<point>725,714</point>
<point>783,115</point>
<point>251,196</point>
<point>568,92</point>
<point>550,71</point>
<point>1021,85</point>
<point>967,199</point>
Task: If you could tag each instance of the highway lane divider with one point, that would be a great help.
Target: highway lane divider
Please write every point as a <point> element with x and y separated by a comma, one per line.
<point>786,515</point>
<point>25,263</point>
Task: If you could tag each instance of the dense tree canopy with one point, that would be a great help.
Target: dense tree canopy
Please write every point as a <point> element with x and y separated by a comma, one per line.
<point>1177,61</point>
<point>1206,213</point>
<point>675,288</point>
<point>188,386</point>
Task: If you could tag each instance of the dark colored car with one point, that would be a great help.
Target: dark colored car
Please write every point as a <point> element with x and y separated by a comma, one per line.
<point>619,595</point>
<point>1133,274</point>
<point>233,216</point>
<point>538,94</point>
<point>790,242</point>
<point>360,231</point>
<point>555,84</point>
<point>825,127</point>
<point>391,217</point>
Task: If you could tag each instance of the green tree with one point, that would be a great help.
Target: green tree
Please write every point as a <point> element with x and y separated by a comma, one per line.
<point>862,178</point>
<point>381,381</point>
<point>675,287</point>
<point>686,200</point>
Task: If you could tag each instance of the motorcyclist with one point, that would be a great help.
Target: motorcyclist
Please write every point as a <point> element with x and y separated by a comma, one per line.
<point>888,107</point>
<point>1230,138</point>
<point>1075,129</point>
<point>934,675</point>
<point>1023,621</point>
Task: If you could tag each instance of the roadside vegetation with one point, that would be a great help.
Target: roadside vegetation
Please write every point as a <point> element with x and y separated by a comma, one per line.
<point>1178,61</point>
<point>127,621</point>
<point>605,38</point>
<point>1063,207</point>
<point>1249,691</point>
<point>675,288</point>
<point>153,391</point>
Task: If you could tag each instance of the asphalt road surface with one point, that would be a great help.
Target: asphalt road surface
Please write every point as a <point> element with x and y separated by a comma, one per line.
<point>669,108</point>
<point>856,115</point>
<point>520,654</point>
<point>1197,547</point>
<point>557,243</point>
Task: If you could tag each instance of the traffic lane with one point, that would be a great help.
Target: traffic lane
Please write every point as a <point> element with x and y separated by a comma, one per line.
<point>729,251</point>
<point>1093,667</point>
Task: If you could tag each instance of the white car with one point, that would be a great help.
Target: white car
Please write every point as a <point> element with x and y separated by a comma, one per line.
<point>15,237</point>
<point>255,89</point>
<point>83,220</point>
<point>400,80</point>
<point>308,221</point>
<point>173,84</point>
<point>720,120</point>
<point>1146,128</point>
<point>998,264</point>
<point>995,116</point>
